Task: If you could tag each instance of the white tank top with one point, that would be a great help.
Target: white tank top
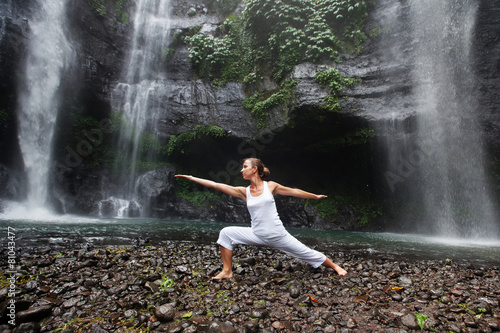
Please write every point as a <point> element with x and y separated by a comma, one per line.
<point>266,222</point>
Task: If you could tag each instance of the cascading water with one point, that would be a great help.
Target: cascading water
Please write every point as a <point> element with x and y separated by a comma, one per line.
<point>445,158</point>
<point>140,94</point>
<point>5,10</point>
<point>49,54</point>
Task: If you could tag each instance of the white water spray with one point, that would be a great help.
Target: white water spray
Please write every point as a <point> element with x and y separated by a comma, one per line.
<point>49,54</point>
<point>447,178</point>
<point>138,96</point>
<point>455,189</point>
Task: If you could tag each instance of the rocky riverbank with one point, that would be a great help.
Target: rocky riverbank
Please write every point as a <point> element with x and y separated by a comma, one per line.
<point>167,288</point>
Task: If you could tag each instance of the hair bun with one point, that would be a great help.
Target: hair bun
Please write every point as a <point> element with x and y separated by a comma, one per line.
<point>265,173</point>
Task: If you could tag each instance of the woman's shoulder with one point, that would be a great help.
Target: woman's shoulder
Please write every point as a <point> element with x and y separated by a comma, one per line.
<point>272,186</point>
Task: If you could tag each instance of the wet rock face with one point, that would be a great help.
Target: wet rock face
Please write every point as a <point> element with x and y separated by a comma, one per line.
<point>13,184</point>
<point>487,55</point>
<point>155,190</point>
<point>102,41</point>
<point>167,287</point>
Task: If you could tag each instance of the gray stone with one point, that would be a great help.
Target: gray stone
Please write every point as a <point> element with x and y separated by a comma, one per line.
<point>165,312</point>
<point>294,291</point>
<point>34,314</point>
<point>27,328</point>
<point>410,321</point>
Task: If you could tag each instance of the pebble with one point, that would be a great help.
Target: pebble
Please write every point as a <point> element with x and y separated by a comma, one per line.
<point>165,312</point>
<point>409,321</point>
<point>118,289</point>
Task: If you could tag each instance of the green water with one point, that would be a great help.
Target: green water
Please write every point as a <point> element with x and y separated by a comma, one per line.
<point>69,230</point>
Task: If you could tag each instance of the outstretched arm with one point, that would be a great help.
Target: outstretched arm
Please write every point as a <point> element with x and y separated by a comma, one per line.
<point>234,191</point>
<point>293,192</point>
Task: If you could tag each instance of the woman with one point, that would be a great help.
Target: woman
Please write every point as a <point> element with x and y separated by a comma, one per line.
<point>266,226</point>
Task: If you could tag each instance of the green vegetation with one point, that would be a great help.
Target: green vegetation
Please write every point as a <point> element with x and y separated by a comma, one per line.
<point>277,35</point>
<point>336,83</point>
<point>222,7</point>
<point>121,14</point>
<point>79,324</point>
<point>167,53</point>
<point>327,207</point>
<point>99,7</point>
<point>93,142</point>
<point>259,106</point>
<point>151,150</point>
<point>360,136</point>
<point>183,143</point>
<point>19,280</point>
<point>166,282</point>
<point>270,38</point>
<point>365,211</point>
<point>376,32</point>
<point>190,192</point>
<point>421,319</point>
<point>3,281</point>
<point>199,197</point>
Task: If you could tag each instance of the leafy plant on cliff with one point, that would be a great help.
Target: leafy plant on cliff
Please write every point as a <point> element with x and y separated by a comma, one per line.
<point>98,6</point>
<point>279,35</point>
<point>258,105</point>
<point>326,207</point>
<point>336,83</point>
<point>222,7</point>
<point>270,38</point>
<point>190,192</point>
<point>183,143</point>
<point>365,211</point>
<point>210,54</point>
<point>121,13</point>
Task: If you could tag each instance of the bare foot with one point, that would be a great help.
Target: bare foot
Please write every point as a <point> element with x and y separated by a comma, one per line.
<point>222,276</point>
<point>340,271</point>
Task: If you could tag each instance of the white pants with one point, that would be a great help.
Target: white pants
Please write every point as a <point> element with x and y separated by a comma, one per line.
<point>230,236</point>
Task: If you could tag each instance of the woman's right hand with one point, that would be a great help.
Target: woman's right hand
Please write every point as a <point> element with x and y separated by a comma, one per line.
<point>189,177</point>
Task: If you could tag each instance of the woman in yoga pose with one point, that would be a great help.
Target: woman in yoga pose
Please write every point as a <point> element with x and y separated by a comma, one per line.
<point>266,226</point>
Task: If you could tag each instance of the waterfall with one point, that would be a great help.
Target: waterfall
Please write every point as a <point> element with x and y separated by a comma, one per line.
<point>49,53</point>
<point>139,96</point>
<point>5,10</point>
<point>442,169</point>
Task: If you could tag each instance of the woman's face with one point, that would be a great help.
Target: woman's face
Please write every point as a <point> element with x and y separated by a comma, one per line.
<point>248,170</point>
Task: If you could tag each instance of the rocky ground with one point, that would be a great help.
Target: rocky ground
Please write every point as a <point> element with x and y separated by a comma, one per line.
<point>167,288</point>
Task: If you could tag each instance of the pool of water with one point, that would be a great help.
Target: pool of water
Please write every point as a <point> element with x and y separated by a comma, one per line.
<point>69,230</point>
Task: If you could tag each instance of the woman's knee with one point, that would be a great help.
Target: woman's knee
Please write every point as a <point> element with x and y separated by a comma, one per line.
<point>227,231</point>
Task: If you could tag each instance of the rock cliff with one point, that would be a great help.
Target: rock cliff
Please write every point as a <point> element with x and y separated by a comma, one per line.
<point>307,146</point>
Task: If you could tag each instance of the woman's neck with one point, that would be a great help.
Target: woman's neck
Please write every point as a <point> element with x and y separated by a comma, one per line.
<point>256,182</point>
